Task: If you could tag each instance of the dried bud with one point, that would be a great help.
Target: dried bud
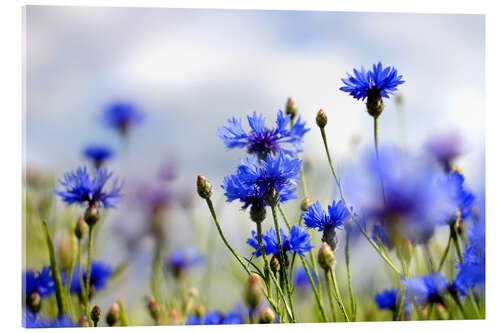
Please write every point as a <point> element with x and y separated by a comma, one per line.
<point>113,315</point>
<point>253,292</point>
<point>96,314</point>
<point>204,187</point>
<point>291,108</point>
<point>83,322</point>
<point>275,264</point>
<point>326,257</point>
<point>321,119</point>
<point>265,316</point>
<point>305,204</point>
<point>80,228</point>
<point>257,213</point>
<point>34,302</point>
<point>91,215</point>
<point>154,309</point>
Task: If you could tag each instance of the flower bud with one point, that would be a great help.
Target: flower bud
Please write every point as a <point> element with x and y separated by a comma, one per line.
<point>83,322</point>
<point>199,310</point>
<point>154,309</point>
<point>374,103</point>
<point>91,215</point>
<point>265,316</point>
<point>257,213</point>
<point>204,187</point>
<point>193,293</point>
<point>96,314</point>
<point>253,292</point>
<point>80,228</point>
<point>326,257</point>
<point>330,237</point>
<point>275,264</point>
<point>113,315</point>
<point>291,108</point>
<point>174,318</point>
<point>321,119</point>
<point>305,204</point>
<point>34,302</point>
<point>66,250</point>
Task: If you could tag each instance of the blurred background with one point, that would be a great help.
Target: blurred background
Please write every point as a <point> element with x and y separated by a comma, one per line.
<point>190,70</point>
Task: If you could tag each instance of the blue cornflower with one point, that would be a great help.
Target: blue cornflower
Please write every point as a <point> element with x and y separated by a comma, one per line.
<point>180,260</point>
<point>445,148</point>
<point>32,321</point>
<point>252,181</point>
<point>296,242</point>
<point>232,317</point>
<point>379,232</point>
<point>301,280</point>
<point>39,282</point>
<point>426,289</point>
<point>99,275</point>
<point>472,272</point>
<point>387,299</point>
<point>122,115</point>
<point>262,140</point>
<point>98,154</point>
<point>80,187</point>
<point>379,81</point>
<point>463,199</point>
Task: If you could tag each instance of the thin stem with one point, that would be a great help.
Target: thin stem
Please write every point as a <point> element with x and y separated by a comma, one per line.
<point>89,261</point>
<point>317,295</point>
<point>429,257</point>
<point>375,134</point>
<point>339,296</point>
<point>267,269</point>
<point>446,251</point>
<point>330,295</point>
<point>80,273</point>
<point>456,241</point>
<point>123,316</point>
<point>348,268</point>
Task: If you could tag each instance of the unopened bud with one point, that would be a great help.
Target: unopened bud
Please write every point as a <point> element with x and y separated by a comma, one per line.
<point>291,108</point>
<point>253,292</point>
<point>66,249</point>
<point>321,118</point>
<point>113,315</point>
<point>83,322</point>
<point>265,316</point>
<point>80,228</point>
<point>305,204</point>
<point>34,302</point>
<point>326,257</point>
<point>96,314</point>
<point>199,310</point>
<point>258,212</point>
<point>204,187</point>
<point>275,264</point>
<point>91,215</point>
<point>174,318</point>
<point>154,309</point>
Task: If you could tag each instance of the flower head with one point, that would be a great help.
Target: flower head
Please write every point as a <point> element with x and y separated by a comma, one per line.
<point>387,299</point>
<point>122,116</point>
<point>377,81</point>
<point>39,282</point>
<point>30,320</point>
<point>261,140</point>
<point>472,272</point>
<point>463,199</point>
<point>301,280</point>
<point>180,260</point>
<point>426,289</point>
<point>99,275</point>
<point>98,154</point>
<point>80,187</point>
<point>296,242</point>
<point>252,181</point>
<point>232,317</point>
<point>317,218</point>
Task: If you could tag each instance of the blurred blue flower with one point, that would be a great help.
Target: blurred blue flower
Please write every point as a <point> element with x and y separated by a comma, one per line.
<point>180,260</point>
<point>99,275</point>
<point>426,289</point>
<point>379,81</point>
<point>379,232</point>
<point>463,199</point>
<point>472,272</point>
<point>80,187</point>
<point>296,242</point>
<point>98,154</point>
<point>252,181</point>
<point>301,280</point>
<point>155,197</point>
<point>316,218</point>
<point>32,321</point>
<point>122,116</point>
<point>445,148</point>
<point>232,317</point>
<point>387,299</point>
<point>39,282</point>
<point>262,140</point>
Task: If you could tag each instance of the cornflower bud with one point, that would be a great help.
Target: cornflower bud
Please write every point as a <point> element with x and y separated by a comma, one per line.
<point>326,257</point>
<point>305,204</point>
<point>113,315</point>
<point>265,316</point>
<point>275,264</point>
<point>291,108</point>
<point>66,249</point>
<point>204,187</point>
<point>199,310</point>
<point>83,322</point>
<point>321,119</point>
<point>91,215</point>
<point>80,228</point>
<point>154,309</point>
<point>96,314</point>
<point>34,302</point>
<point>253,293</point>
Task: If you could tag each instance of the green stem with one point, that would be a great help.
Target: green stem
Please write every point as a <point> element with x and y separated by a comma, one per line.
<point>123,316</point>
<point>61,305</point>
<point>446,250</point>
<point>429,257</point>
<point>83,294</point>
<point>267,269</point>
<point>348,268</point>
<point>89,262</point>
<point>375,134</point>
<point>330,295</point>
<point>337,292</point>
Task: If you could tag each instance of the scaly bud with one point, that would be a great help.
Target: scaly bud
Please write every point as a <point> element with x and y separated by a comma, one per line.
<point>154,309</point>
<point>275,264</point>
<point>96,314</point>
<point>305,204</point>
<point>113,315</point>
<point>257,213</point>
<point>80,228</point>
<point>374,103</point>
<point>291,108</point>
<point>199,310</point>
<point>204,187</point>
<point>253,292</point>
<point>91,215</point>
<point>34,302</point>
<point>326,257</point>
<point>265,316</point>
<point>321,118</point>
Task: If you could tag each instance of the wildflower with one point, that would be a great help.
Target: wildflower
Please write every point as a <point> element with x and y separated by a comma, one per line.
<point>462,198</point>
<point>388,299</point>
<point>379,232</point>
<point>180,260</point>
<point>79,187</point>
<point>253,183</point>
<point>445,148</point>
<point>317,218</point>
<point>122,116</point>
<point>301,280</point>
<point>426,289</point>
<point>99,275</point>
<point>296,242</point>
<point>37,285</point>
<point>217,318</point>
<point>372,84</point>
<point>98,154</point>
<point>472,272</point>
<point>154,198</point>
<point>32,321</point>
<point>261,140</point>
